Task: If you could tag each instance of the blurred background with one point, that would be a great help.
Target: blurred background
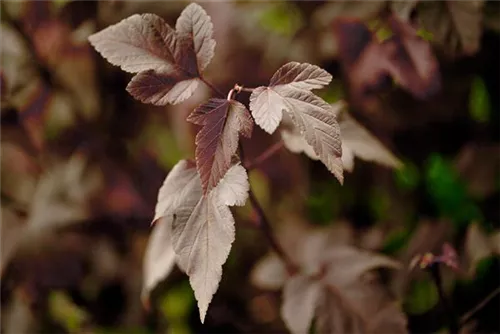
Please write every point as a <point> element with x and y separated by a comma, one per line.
<point>82,162</point>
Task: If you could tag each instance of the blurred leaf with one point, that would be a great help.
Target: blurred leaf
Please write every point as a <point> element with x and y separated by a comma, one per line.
<point>64,311</point>
<point>448,192</point>
<point>322,206</point>
<point>369,64</point>
<point>282,18</point>
<point>479,101</point>
<point>456,25</point>
<point>333,92</point>
<point>425,35</point>
<point>407,177</point>
<point>269,273</point>
<point>478,246</point>
<point>380,203</point>
<point>422,297</point>
<point>362,144</point>
<point>491,13</point>
<point>345,289</point>
<point>395,241</point>
<point>478,165</point>
<point>60,3</point>
<point>178,302</point>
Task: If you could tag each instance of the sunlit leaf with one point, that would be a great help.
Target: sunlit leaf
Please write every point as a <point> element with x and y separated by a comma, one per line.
<point>202,225</point>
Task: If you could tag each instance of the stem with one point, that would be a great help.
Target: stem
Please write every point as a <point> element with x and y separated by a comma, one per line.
<point>212,87</point>
<point>265,226</point>
<point>452,319</point>
<point>243,89</point>
<point>269,152</point>
<point>467,316</point>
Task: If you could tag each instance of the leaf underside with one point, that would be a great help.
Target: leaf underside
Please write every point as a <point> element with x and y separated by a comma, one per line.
<point>289,92</point>
<point>202,226</point>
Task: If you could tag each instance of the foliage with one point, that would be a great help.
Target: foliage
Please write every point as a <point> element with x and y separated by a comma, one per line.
<point>382,248</point>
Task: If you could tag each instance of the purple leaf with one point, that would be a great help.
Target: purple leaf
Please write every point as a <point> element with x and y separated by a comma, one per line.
<point>301,76</point>
<point>165,59</point>
<point>314,118</point>
<point>217,141</point>
<point>195,22</point>
<point>160,89</point>
<point>202,227</point>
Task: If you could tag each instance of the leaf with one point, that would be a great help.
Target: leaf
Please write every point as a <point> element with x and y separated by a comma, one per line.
<point>63,193</point>
<point>217,141</point>
<point>195,22</point>
<point>346,298</point>
<point>300,76</point>
<point>202,225</point>
<point>478,246</point>
<point>159,259</point>
<point>312,116</point>
<point>269,273</point>
<point>12,229</point>
<point>161,89</point>
<point>358,140</point>
<point>456,25</point>
<point>165,59</point>
<point>267,104</point>
<point>369,64</point>
<point>300,296</point>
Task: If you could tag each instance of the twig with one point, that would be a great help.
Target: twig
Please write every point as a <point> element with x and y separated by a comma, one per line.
<point>467,316</point>
<point>239,88</point>
<point>265,226</point>
<point>452,318</point>
<point>212,87</point>
<point>269,152</point>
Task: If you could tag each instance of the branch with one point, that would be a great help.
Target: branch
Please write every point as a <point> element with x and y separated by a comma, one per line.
<point>269,152</point>
<point>436,277</point>
<point>212,87</point>
<point>467,316</point>
<point>265,226</point>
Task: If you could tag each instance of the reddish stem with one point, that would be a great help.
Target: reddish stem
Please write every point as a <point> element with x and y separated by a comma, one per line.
<point>265,226</point>
<point>269,152</point>
<point>212,87</point>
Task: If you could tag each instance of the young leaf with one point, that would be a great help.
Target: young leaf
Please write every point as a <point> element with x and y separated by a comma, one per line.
<point>217,141</point>
<point>165,59</point>
<point>202,226</point>
<point>267,104</point>
<point>159,259</point>
<point>195,22</point>
<point>300,296</point>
